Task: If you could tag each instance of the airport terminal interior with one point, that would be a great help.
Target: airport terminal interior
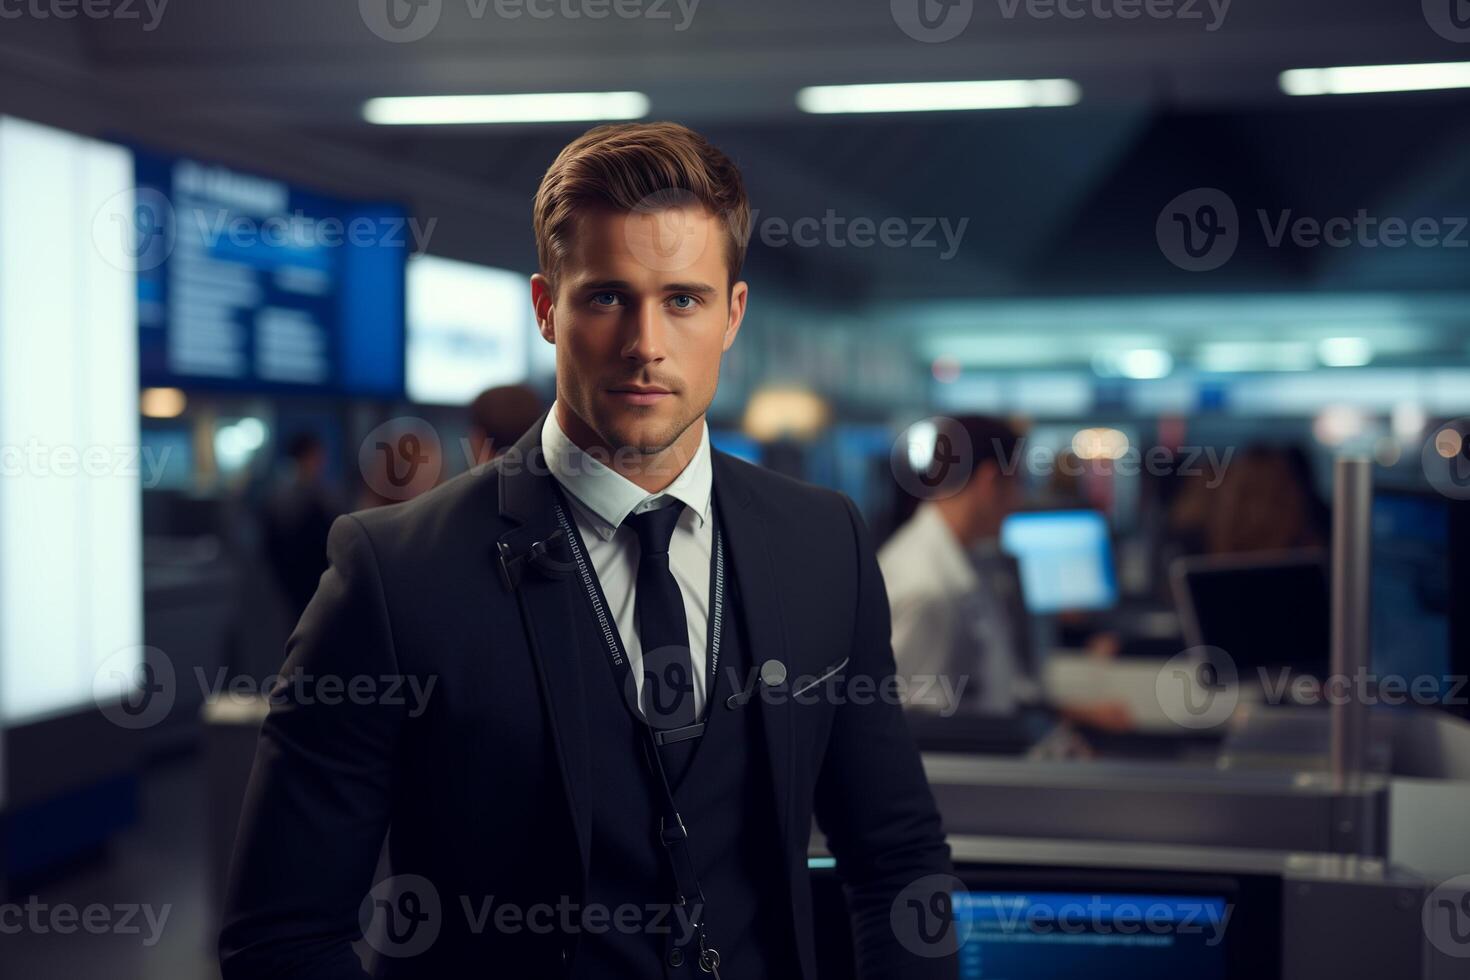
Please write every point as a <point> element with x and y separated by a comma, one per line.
<point>1136,331</point>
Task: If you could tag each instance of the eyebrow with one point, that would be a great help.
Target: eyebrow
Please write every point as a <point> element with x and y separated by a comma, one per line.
<point>698,288</point>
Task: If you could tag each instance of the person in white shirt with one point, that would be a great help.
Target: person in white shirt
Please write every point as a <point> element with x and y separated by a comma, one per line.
<point>946,581</point>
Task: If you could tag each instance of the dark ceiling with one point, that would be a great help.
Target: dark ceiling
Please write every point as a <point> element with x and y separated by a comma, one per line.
<point>1057,201</point>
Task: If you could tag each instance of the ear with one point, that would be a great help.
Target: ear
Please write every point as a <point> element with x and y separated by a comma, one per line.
<point>738,295</point>
<point>543,302</point>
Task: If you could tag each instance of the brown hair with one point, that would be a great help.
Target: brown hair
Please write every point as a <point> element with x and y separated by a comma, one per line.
<point>1263,505</point>
<point>640,167</point>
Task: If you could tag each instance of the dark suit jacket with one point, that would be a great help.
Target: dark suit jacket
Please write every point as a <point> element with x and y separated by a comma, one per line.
<point>483,788</point>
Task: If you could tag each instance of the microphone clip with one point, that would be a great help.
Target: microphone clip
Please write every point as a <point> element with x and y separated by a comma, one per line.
<point>538,556</point>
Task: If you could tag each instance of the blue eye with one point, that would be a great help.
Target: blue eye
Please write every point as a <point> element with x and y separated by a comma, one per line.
<point>604,299</point>
<point>685,306</point>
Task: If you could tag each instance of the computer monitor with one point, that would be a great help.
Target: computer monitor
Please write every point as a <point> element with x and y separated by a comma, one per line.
<point>1066,559</point>
<point>1020,935</point>
<point>1413,562</point>
<point>1045,921</point>
<point>1266,611</point>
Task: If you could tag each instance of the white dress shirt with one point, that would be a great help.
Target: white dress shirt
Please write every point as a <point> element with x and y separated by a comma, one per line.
<point>945,621</point>
<point>601,500</point>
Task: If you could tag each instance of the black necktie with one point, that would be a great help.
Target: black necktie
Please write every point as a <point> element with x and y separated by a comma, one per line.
<point>663,630</point>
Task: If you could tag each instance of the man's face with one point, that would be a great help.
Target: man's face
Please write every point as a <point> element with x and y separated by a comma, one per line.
<point>642,314</point>
<point>994,496</point>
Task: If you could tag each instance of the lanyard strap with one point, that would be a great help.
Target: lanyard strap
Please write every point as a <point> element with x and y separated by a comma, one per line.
<point>673,834</point>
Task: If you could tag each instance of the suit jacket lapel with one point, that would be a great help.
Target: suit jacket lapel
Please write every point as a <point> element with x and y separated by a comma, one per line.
<point>527,497</point>
<point>755,570</point>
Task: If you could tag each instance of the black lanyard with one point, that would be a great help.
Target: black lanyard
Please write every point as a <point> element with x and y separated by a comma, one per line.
<point>672,831</point>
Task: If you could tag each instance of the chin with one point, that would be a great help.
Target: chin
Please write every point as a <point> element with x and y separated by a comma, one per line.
<point>646,430</point>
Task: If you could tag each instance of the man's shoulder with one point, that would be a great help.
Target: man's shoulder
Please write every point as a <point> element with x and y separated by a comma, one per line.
<point>463,509</point>
<point>783,497</point>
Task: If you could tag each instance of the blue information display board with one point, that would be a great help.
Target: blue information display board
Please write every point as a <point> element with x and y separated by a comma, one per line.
<point>250,283</point>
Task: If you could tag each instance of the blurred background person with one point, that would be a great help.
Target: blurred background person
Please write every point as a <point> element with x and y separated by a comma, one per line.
<point>951,588</point>
<point>498,417</point>
<point>1264,502</point>
<point>297,518</point>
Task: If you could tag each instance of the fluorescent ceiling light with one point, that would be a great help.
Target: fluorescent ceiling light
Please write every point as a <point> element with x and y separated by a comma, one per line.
<point>1344,351</point>
<point>1142,364</point>
<point>1231,355</point>
<point>459,110</point>
<point>1360,79</point>
<point>940,96</point>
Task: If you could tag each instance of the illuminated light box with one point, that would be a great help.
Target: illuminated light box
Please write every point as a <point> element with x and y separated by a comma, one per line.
<point>469,328</point>
<point>70,523</point>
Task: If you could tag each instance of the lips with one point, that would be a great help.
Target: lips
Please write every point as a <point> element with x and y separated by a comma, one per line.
<point>640,394</point>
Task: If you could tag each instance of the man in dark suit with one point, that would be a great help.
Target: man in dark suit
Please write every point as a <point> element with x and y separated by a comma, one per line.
<point>641,666</point>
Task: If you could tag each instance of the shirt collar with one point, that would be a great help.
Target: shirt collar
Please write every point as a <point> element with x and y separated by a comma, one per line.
<point>607,496</point>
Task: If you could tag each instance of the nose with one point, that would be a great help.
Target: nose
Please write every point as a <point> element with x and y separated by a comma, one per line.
<point>645,341</point>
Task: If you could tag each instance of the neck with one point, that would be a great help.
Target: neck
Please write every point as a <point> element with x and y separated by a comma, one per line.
<point>650,472</point>
<point>961,520</point>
